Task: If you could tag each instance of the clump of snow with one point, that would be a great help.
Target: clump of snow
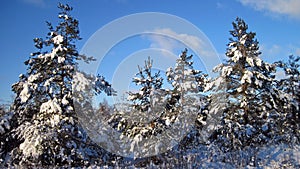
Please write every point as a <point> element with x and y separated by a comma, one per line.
<point>51,106</point>
<point>243,39</point>
<point>239,89</point>
<point>24,95</point>
<point>247,77</point>
<point>243,103</point>
<point>258,82</point>
<point>167,122</point>
<point>80,82</point>
<point>58,39</point>
<point>250,61</point>
<point>60,59</point>
<point>65,101</point>
<point>174,83</point>
<point>66,17</point>
<point>31,141</point>
<point>258,62</point>
<point>237,56</point>
<point>55,120</point>
<point>131,97</point>
<point>33,77</point>
<point>48,82</point>
<point>231,44</point>
<point>226,70</point>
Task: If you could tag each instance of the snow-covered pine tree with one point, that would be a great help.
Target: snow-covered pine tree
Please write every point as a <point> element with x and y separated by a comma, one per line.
<point>142,106</point>
<point>138,117</point>
<point>48,131</point>
<point>250,101</point>
<point>188,85</point>
<point>289,86</point>
<point>186,96</point>
<point>7,123</point>
<point>148,82</point>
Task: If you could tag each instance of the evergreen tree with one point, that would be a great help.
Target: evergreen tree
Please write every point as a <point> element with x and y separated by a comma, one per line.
<point>250,100</point>
<point>187,98</point>
<point>289,86</point>
<point>48,130</point>
<point>188,85</point>
<point>165,104</point>
<point>142,107</point>
<point>149,83</point>
<point>7,123</point>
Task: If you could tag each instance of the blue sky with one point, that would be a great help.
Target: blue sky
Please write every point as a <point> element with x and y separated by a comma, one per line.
<point>277,24</point>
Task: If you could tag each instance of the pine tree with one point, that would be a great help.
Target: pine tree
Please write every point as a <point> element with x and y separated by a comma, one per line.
<point>188,85</point>
<point>246,81</point>
<point>48,130</point>
<point>187,82</point>
<point>149,83</point>
<point>142,107</point>
<point>186,98</point>
<point>7,123</point>
<point>289,86</point>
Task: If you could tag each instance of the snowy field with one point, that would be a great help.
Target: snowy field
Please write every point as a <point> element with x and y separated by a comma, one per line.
<point>281,156</point>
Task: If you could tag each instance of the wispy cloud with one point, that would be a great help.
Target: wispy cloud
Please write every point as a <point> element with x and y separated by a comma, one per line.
<point>280,7</point>
<point>272,50</point>
<point>38,3</point>
<point>172,41</point>
<point>276,52</point>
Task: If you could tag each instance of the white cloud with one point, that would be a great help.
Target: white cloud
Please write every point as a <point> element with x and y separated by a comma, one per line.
<point>170,40</point>
<point>290,8</point>
<point>173,42</point>
<point>39,3</point>
<point>271,50</point>
<point>276,52</point>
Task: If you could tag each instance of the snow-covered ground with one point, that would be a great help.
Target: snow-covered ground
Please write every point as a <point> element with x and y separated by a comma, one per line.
<point>275,156</point>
